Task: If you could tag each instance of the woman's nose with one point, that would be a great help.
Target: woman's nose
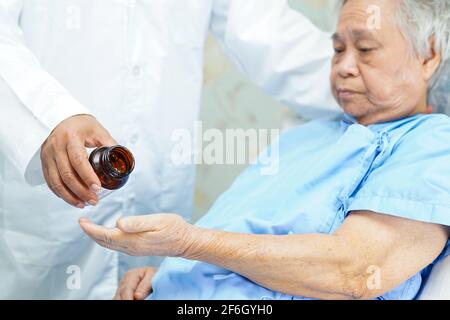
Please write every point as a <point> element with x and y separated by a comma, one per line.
<point>347,66</point>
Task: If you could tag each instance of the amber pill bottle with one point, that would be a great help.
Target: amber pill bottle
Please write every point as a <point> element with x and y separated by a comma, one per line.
<point>113,166</point>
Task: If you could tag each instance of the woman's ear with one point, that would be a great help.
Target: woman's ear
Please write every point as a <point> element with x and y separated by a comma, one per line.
<point>432,62</point>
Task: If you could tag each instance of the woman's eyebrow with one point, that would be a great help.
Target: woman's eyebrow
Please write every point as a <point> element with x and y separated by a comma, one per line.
<point>359,34</point>
<point>336,37</point>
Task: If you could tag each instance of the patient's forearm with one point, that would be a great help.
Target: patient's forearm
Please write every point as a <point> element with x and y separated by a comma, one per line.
<point>316,266</point>
<point>367,246</point>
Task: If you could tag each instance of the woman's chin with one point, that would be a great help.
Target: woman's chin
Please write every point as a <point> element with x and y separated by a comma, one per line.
<point>354,110</point>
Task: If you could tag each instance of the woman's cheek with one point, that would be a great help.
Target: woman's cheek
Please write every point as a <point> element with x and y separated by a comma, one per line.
<point>409,91</point>
<point>386,90</point>
<point>333,77</point>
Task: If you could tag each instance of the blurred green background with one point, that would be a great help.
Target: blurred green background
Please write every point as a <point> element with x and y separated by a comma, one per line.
<point>231,101</point>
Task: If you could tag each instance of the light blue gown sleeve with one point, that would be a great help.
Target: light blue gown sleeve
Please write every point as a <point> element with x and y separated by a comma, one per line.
<point>413,181</point>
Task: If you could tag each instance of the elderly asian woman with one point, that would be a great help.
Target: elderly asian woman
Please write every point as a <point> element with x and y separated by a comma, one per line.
<point>360,207</point>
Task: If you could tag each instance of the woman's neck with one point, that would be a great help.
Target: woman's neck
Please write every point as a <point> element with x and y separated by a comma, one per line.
<point>421,108</point>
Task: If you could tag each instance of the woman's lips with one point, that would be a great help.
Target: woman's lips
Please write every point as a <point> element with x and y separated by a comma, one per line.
<point>346,93</point>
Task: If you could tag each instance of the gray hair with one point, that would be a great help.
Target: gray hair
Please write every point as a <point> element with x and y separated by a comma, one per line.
<point>439,96</point>
<point>423,20</point>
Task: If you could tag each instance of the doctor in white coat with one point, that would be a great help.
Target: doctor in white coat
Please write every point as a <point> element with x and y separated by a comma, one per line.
<point>85,73</point>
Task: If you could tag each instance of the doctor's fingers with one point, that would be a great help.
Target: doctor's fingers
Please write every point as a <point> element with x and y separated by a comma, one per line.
<point>71,179</point>
<point>101,138</point>
<point>79,161</point>
<point>58,187</point>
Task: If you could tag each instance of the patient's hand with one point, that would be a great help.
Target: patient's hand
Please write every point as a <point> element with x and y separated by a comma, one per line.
<point>136,284</point>
<point>165,235</point>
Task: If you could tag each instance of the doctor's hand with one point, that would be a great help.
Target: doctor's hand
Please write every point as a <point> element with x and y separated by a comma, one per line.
<point>65,162</point>
<point>165,235</point>
<point>136,284</point>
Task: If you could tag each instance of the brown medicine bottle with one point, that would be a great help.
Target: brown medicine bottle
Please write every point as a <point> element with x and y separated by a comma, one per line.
<point>113,166</point>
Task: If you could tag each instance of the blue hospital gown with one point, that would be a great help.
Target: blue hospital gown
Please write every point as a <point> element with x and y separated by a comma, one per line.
<point>327,168</point>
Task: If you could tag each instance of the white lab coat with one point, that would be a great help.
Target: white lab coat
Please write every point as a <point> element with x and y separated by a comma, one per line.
<point>137,67</point>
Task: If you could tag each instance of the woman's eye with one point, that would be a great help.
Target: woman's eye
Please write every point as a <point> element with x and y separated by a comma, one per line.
<point>338,50</point>
<point>366,50</point>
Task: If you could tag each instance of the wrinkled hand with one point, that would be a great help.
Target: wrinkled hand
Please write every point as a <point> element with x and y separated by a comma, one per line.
<point>65,162</point>
<point>136,284</point>
<point>165,235</point>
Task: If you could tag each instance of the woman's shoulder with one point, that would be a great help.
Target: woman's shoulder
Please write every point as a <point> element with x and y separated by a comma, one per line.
<point>436,118</point>
<point>431,124</point>
<point>424,134</point>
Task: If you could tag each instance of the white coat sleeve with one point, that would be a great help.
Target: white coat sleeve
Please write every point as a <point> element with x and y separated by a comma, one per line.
<point>280,50</point>
<point>34,101</point>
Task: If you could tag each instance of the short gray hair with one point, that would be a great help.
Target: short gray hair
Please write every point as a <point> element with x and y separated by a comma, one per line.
<point>420,21</point>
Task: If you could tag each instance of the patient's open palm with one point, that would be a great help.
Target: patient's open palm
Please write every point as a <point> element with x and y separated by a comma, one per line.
<point>150,235</point>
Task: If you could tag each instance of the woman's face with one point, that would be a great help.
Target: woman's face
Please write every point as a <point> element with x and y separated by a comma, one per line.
<point>374,76</point>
